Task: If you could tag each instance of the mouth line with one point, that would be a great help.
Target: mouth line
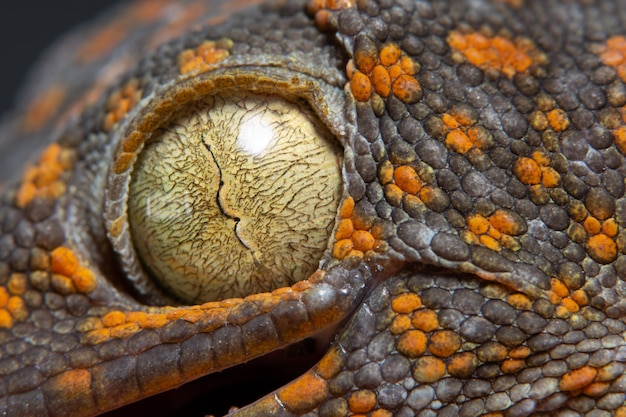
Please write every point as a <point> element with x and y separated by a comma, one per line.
<point>238,386</point>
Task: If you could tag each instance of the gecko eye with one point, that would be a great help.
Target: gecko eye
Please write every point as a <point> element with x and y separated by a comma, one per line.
<point>236,196</point>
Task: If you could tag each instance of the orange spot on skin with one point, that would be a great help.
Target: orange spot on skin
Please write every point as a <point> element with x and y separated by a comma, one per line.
<point>527,171</point>
<point>458,141</point>
<point>406,303</point>
<point>315,6</point>
<point>477,224</point>
<point>550,178</point>
<point>596,389</point>
<point>463,365</point>
<point>407,89</point>
<point>592,225</point>
<point>4,297</point>
<point>366,58</point>
<point>344,229</point>
<point>362,401</point>
<point>519,301</point>
<point>6,321</point>
<point>520,352</point>
<point>412,343</point>
<point>362,240</point>
<point>490,243</point>
<point>43,180</point>
<point>570,305</point>
<point>389,54</point>
<point>331,364</point>
<point>303,394</point>
<point>511,366</point>
<point>558,120</point>
<point>495,53</point>
<point>507,222</point>
<point>17,308</point>
<point>580,297</point>
<point>425,320</point>
<point>601,248</point>
<point>620,139</point>
<point>63,261</point>
<point>347,207</point>
<point>360,86</point>
<point>614,55</point>
<point>74,386</point>
<point>120,103</point>
<point>114,318</point>
<point>559,288</point>
<point>196,61</point>
<point>43,108</point>
<point>610,228</point>
<point>96,336</point>
<point>400,324</point>
<point>124,331</point>
<point>444,343</point>
<point>342,248</point>
<point>407,179</point>
<point>577,379</point>
<point>385,71</point>
<point>18,284</point>
<point>381,80</point>
<point>428,369</point>
<point>84,280</point>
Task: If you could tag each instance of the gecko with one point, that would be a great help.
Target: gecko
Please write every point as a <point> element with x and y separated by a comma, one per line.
<point>404,208</point>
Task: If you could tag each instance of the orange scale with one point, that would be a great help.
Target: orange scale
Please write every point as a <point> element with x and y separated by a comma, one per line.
<point>347,207</point>
<point>407,179</point>
<point>601,248</point>
<point>381,80</point>
<point>114,318</point>
<point>389,54</point>
<point>362,401</point>
<point>559,288</point>
<point>406,303</point>
<point>577,379</point>
<point>592,225</point>
<point>458,141</point>
<point>570,305</point>
<point>478,40</point>
<point>610,228</point>
<point>361,87</point>
<point>342,248</point>
<point>412,344</point>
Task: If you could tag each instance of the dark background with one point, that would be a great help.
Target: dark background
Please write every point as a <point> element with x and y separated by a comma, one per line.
<point>28,27</point>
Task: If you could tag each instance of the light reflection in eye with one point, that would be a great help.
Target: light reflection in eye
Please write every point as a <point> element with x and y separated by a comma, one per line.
<point>255,135</point>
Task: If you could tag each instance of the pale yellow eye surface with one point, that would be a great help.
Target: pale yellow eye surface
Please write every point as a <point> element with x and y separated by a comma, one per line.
<point>237,196</point>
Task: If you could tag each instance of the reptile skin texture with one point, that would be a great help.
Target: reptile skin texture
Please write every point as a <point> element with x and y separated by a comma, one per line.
<point>474,260</point>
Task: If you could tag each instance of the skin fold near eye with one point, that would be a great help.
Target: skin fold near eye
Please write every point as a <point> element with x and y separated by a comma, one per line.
<point>237,196</point>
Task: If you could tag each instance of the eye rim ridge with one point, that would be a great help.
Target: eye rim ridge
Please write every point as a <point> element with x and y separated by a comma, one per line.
<point>326,102</point>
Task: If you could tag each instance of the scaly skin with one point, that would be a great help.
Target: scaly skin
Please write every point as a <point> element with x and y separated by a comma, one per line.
<point>478,259</point>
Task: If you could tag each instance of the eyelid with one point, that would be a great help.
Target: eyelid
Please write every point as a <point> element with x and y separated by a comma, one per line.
<point>156,114</point>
